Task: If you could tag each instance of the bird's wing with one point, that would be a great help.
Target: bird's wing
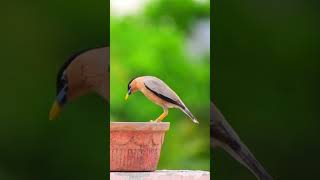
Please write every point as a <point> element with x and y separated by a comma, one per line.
<point>162,90</point>
<point>223,135</point>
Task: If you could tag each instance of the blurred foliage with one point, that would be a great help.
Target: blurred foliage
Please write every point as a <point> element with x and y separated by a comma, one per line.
<point>142,45</point>
<point>266,81</point>
<point>182,13</point>
<point>37,37</point>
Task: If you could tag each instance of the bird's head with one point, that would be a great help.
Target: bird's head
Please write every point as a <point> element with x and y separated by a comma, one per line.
<point>69,84</point>
<point>85,72</point>
<point>133,86</point>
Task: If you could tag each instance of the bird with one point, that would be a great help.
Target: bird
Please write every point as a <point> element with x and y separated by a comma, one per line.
<point>89,71</point>
<point>84,72</point>
<point>160,93</point>
<point>225,137</point>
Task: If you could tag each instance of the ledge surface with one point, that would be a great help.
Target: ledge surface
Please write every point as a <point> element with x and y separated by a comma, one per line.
<point>139,126</point>
<point>161,175</point>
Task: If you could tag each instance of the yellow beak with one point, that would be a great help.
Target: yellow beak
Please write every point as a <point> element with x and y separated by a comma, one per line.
<point>55,110</point>
<point>127,96</point>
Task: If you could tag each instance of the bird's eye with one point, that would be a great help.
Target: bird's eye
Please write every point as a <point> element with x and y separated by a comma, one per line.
<point>63,84</point>
<point>64,80</point>
<point>66,88</point>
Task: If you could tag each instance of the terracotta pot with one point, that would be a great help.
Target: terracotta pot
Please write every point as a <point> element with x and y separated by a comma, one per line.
<point>136,146</point>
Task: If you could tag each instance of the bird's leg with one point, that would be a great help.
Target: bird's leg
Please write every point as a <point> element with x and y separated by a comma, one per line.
<point>163,115</point>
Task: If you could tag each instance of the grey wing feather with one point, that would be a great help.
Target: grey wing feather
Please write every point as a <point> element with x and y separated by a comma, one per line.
<point>162,88</point>
<point>163,91</point>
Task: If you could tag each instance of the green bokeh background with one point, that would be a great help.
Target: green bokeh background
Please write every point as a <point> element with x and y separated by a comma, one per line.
<point>152,42</point>
<point>37,37</point>
<point>265,71</point>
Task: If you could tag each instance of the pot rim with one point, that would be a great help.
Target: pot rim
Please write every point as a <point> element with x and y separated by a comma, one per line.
<point>139,126</point>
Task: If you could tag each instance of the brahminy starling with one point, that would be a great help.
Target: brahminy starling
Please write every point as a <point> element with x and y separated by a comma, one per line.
<point>84,72</point>
<point>223,135</point>
<point>160,93</point>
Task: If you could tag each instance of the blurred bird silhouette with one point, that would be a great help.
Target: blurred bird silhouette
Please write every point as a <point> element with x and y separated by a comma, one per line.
<point>223,135</point>
<point>160,93</point>
<point>84,72</point>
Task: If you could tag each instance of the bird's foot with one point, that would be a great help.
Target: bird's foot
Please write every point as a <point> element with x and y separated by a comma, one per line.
<point>155,121</point>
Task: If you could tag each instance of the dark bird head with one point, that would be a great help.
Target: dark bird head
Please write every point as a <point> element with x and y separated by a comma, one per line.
<point>133,86</point>
<point>84,72</point>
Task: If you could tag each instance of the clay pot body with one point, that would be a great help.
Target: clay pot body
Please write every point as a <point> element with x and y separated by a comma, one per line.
<point>136,146</point>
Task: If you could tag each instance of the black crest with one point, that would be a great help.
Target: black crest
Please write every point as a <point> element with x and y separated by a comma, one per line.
<point>130,82</point>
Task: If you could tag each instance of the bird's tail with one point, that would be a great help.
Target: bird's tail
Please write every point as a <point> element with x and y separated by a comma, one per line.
<point>224,136</point>
<point>189,114</point>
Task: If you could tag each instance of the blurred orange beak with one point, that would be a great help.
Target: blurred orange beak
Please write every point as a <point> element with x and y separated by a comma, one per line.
<point>55,111</point>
